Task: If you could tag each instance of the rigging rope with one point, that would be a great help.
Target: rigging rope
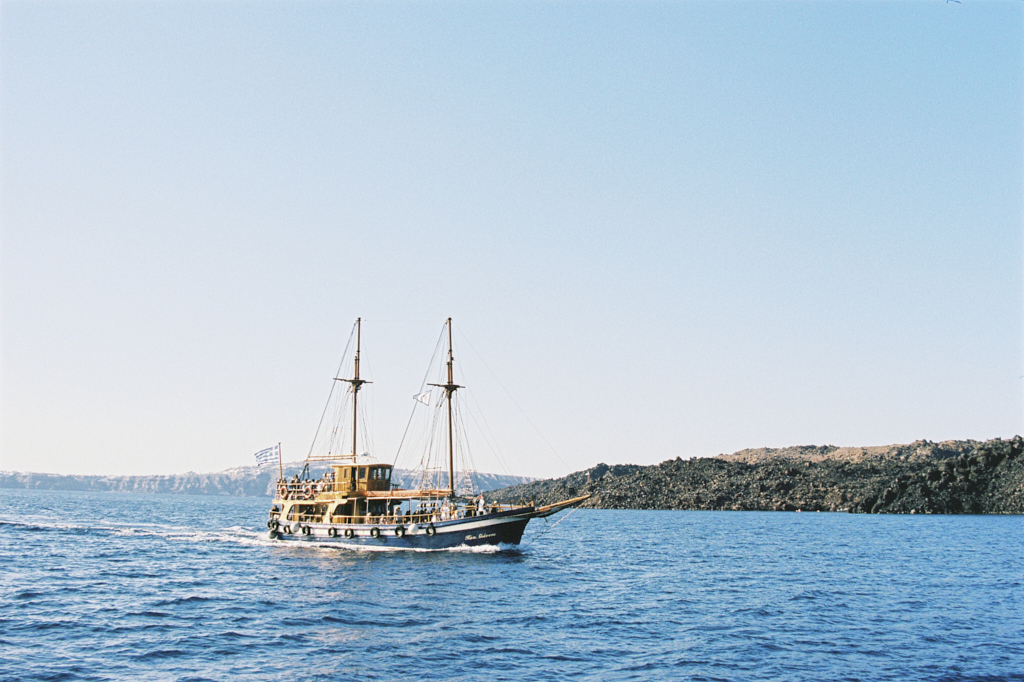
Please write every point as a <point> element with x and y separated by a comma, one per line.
<point>336,373</point>
<point>463,336</point>
<point>423,383</point>
<point>549,528</point>
<point>488,435</point>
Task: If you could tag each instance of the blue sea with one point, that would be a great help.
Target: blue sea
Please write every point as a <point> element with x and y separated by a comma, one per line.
<point>112,586</point>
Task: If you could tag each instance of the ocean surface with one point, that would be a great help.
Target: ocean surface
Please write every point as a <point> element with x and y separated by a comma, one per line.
<point>113,586</point>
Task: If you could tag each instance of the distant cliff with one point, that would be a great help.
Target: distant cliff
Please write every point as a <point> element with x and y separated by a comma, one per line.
<point>952,477</point>
<point>244,481</point>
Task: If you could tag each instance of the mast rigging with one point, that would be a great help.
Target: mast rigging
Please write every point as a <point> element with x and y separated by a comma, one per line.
<point>357,383</point>
<point>449,389</point>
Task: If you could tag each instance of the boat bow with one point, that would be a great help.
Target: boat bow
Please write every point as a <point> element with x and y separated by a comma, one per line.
<point>549,509</point>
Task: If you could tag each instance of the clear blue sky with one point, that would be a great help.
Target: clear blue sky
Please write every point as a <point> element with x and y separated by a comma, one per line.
<point>670,229</point>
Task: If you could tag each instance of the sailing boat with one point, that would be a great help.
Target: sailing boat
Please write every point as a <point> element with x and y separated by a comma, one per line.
<point>355,503</point>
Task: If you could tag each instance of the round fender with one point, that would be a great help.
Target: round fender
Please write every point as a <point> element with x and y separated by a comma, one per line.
<point>431,530</point>
<point>305,530</point>
<point>375,532</point>
<point>273,535</point>
<point>349,533</point>
<point>272,524</point>
<point>400,531</point>
<point>333,532</point>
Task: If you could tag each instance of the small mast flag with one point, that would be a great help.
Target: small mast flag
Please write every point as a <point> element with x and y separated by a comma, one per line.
<point>423,397</point>
<point>267,456</point>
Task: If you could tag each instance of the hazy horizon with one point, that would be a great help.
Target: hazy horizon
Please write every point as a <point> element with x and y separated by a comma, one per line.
<point>320,465</point>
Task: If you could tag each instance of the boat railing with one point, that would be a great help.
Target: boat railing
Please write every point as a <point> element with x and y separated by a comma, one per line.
<point>431,516</point>
<point>421,518</point>
<point>307,490</point>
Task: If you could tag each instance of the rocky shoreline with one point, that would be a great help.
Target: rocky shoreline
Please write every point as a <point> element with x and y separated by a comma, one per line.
<point>951,477</point>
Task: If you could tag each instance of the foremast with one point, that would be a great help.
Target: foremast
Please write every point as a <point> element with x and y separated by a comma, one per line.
<point>357,383</point>
<point>449,389</point>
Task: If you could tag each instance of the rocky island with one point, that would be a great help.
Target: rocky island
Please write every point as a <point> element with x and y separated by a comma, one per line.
<point>951,477</point>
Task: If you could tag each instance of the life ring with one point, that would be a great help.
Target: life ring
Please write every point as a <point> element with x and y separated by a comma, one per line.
<point>431,530</point>
<point>349,532</point>
<point>375,532</point>
<point>305,530</point>
<point>333,532</point>
<point>309,492</point>
<point>272,524</point>
<point>400,531</point>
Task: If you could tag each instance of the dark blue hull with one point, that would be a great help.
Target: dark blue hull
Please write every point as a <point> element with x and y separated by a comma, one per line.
<point>505,528</point>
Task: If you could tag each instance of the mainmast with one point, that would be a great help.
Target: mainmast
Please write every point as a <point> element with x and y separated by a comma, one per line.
<point>450,388</point>
<point>357,383</point>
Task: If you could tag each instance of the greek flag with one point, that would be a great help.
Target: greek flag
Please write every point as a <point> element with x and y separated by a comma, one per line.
<point>268,456</point>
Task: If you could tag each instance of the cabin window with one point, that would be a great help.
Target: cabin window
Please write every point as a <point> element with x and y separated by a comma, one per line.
<point>362,473</point>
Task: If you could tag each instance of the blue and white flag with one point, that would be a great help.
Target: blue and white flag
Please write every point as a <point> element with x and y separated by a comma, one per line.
<point>268,456</point>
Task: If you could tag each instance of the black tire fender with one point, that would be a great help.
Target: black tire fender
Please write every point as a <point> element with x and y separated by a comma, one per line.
<point>375,532</point>
<point>305,530</point>
<point>431,530</point>
<point>400,531</point>
<point>333,532</point>
<point>349,532</point>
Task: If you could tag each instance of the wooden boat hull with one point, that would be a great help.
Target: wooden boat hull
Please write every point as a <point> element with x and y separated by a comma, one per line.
<point>503,528</point>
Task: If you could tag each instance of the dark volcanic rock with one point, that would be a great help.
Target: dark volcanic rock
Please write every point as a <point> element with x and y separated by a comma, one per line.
<point>953,477</point>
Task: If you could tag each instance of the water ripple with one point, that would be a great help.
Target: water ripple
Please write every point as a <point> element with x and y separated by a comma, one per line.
<point>124,587</point>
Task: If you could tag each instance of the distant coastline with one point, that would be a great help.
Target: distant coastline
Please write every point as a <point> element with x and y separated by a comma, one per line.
<point>248,481</point>
<point>951,477</point>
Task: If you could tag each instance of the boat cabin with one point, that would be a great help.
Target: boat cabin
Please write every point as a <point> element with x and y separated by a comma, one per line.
<point>356,479</point>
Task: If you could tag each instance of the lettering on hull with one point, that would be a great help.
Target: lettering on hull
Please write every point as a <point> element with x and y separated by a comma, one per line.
<point>481,536</point>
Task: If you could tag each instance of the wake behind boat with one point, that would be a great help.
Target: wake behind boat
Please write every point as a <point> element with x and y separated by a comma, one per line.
<point>355,504</point>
